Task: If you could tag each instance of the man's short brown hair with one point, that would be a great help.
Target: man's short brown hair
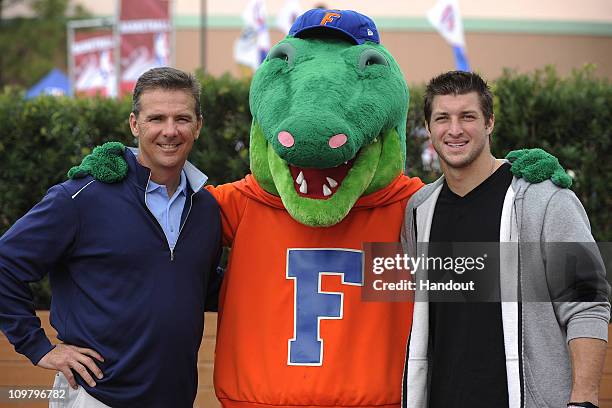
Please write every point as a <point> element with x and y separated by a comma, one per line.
<point>458,83</point>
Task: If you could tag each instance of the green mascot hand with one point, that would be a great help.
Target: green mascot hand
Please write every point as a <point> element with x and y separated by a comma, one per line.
<point>536,165</point>
<point>105,164</point>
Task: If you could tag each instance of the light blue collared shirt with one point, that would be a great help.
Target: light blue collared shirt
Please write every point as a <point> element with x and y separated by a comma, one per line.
<point>168,210</point>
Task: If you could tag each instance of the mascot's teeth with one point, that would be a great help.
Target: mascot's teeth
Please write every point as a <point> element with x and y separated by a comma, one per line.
<point>300,178</point>
<point>332,183</point>
<point>346,162</point>
<point>375,139</point>
<point>303,187</point>
<point>326,190</point>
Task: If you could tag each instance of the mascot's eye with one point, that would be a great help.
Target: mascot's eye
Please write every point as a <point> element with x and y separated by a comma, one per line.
<point>283,51</point>
<point>372,57</point>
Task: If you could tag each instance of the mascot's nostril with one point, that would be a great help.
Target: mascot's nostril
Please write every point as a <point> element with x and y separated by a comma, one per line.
<point>286,139</point>
<point>337,141</point>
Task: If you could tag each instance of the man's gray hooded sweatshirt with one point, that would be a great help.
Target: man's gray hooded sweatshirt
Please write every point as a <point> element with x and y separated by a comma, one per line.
<point>539,318</point>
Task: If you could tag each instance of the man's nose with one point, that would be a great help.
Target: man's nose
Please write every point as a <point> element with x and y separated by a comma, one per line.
<point>455,128</point>
<point>170,128</point>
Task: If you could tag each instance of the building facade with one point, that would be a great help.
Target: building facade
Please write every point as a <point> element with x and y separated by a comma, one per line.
<point>522,35</point>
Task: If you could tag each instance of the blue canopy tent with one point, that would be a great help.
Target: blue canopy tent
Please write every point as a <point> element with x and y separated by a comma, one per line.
<point>54,83</point>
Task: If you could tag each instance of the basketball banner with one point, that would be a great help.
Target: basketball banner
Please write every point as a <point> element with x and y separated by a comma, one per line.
<point>93,62</point>
<point>145,32</point>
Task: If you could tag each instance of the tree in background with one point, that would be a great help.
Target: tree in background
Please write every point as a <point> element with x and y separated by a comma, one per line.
<point>31,46</point>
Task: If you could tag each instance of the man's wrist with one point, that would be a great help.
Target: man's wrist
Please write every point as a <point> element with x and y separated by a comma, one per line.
<point>584,404</point>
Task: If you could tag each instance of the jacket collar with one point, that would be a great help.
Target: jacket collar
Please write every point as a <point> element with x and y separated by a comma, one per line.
<point>195,178</point>
<point>519,186</point>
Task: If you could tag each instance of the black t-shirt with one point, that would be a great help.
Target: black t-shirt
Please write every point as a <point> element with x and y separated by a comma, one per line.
<point>469,362</point>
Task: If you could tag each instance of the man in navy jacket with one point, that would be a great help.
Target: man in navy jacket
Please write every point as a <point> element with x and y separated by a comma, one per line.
<point>130,264</point>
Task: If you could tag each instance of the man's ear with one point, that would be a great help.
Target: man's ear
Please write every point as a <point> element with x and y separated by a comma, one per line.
<point>200,124</point>
<point>427,128</point>
<point>490,125</point>
<point>134,125</point>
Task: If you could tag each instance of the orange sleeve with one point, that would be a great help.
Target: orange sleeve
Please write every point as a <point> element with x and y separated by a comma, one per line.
<point>232,203</point>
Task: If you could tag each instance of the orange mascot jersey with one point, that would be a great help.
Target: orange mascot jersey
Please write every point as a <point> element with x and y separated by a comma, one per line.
<point>293,330</point>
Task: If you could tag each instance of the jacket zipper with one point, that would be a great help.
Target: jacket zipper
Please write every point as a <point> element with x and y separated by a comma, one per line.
<point>160,227</point>
<point>182,225</point>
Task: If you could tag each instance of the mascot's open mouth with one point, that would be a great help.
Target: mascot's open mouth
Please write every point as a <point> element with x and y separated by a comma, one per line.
<point>319,184</point>
<point>314,205</point>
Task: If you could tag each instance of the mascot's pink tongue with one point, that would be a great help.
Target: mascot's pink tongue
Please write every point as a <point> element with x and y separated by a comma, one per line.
<point>319,183</point>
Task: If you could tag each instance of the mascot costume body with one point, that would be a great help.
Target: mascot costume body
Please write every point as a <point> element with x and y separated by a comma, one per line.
<point>327,154</point>
<point>327,150</point>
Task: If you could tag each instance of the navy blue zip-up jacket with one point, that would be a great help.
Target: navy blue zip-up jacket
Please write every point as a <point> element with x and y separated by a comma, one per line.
<point>116,286</point>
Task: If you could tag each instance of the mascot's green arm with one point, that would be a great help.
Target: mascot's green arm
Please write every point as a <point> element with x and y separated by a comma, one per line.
<point>536,165</point>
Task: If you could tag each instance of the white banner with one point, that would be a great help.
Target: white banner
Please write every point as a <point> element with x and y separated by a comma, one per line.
<point>287,15</point>
<point>254,42</point>
<point>446,18</point>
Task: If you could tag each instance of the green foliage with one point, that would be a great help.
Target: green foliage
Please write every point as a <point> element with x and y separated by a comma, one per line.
<point>416,136</point>
<point>223,147</point>
<point>31,47</point>
<point>568,117</point>
<point>43,137</point>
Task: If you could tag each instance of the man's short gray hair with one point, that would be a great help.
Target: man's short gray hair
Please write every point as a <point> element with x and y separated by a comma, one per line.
<point>166,78</point>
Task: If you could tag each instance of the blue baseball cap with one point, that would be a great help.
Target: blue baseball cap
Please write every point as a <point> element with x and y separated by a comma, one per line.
<point>358,27</point>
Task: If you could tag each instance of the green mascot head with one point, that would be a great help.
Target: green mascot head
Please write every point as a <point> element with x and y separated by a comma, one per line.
<point>329,107</point>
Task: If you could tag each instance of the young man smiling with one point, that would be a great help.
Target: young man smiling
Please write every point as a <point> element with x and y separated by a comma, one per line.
<point>460,132</point>
<point>539,346</point>
<point>130,264</point>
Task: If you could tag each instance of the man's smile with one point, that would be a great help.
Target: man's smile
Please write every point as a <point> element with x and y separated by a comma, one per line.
<point>169,146</point>
<point>456,144</point>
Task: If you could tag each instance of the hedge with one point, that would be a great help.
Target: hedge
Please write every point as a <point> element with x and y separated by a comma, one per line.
<point>570,117</point>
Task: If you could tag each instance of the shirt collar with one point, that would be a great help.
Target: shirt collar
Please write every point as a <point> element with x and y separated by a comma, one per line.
<point>182,187</point>
<point>195,177</point>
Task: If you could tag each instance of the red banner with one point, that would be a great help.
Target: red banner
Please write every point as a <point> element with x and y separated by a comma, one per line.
<point>145,29</point>
<point>93,62</point>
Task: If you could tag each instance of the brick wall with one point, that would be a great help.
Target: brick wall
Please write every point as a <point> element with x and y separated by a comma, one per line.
<point>16,370</point>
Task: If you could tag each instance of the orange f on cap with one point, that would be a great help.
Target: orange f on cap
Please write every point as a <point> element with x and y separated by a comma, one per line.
<point>329,18</point>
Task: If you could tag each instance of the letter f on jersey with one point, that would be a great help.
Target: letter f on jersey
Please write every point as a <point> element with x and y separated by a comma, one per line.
<point>311,305</point>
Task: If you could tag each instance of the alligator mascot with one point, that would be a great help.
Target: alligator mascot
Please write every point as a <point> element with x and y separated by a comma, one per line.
<point>327,154</point>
